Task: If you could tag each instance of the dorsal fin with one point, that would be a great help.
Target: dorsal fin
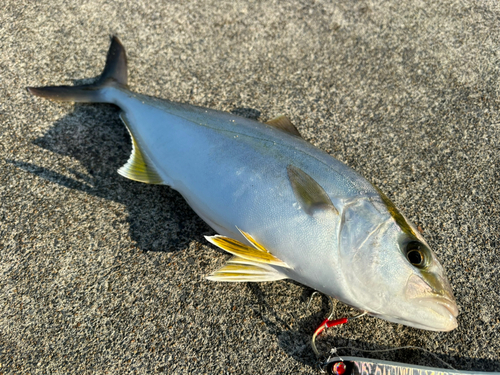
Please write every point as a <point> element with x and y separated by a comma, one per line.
<point>283,123</point>
<point>311,196</point>
<point>136,167</point>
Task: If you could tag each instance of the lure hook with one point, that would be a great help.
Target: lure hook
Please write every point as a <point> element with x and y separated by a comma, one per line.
<point>328,322</point>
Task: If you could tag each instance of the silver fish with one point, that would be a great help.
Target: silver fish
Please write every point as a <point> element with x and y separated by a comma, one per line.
<point>282,207</point>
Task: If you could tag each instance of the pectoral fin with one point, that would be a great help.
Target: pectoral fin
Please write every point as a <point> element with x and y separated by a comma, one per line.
<point>238,269</point>
<point>137,168</point>
<point>311,196</point>
<point>283,123</point>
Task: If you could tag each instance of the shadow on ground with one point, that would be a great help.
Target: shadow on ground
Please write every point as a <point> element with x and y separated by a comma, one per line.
<point>159,218</point>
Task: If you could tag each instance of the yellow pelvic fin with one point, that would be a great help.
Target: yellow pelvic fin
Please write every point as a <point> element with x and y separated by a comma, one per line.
<point>250,239</point>
<point>241,270</point>
<point>283,123</point>
<point>256,254</point>
<point>136,167</point>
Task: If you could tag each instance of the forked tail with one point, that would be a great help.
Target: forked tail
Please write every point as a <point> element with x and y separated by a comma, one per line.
<point>114,74</point>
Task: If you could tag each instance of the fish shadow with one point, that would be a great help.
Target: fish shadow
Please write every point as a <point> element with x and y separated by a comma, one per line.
<point>250,113</point>
<point>159,219</point>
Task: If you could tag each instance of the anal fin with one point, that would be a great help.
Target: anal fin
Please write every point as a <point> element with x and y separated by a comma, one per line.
<point>238,269</point>
<point>137,168</point>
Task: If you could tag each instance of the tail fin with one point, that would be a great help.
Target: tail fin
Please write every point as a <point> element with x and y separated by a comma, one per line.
<point>114,73</point>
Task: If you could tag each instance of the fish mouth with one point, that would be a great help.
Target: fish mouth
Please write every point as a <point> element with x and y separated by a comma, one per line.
<point>450,305</point>
<point>447,310</point>
<point>433,296</point>
<point>442,318</point>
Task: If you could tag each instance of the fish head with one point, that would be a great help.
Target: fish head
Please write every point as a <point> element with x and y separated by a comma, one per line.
<point>390,271</point>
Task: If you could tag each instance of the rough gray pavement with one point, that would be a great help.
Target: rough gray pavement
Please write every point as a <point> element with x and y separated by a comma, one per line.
<point>99,274</point>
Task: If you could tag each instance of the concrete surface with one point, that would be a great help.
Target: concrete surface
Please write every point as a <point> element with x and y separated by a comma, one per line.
<point>99,274</point>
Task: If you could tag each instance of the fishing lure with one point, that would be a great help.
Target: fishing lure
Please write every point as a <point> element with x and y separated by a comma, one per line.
<point>341,365</point>
<point>365,366</point>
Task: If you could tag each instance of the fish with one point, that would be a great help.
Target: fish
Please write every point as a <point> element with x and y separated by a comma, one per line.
<point>283,208</point>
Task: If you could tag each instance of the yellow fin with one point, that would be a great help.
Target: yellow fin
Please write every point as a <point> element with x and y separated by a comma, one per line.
<point>241,270</point>
<point>136,167</point>
<point>255,254</point>
<point>283,123</point>
<point>252,241</point>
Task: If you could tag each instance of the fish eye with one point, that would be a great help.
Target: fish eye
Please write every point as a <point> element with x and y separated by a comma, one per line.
<point>415,254</point>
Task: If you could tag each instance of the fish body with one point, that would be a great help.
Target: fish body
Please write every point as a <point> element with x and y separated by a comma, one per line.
<point>233,173</point>
<point>282,207</point>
